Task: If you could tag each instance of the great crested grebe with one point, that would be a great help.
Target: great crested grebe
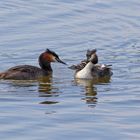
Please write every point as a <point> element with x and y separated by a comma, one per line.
<point>83,63</point>
<point>28,72</point>
<point>89,69</point>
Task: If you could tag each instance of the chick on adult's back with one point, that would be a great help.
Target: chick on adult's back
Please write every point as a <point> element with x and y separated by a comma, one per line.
<point>28,72</point>
<point>90,69</point>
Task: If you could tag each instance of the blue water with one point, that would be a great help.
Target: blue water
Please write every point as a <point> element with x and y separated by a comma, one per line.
<point>63,108</point>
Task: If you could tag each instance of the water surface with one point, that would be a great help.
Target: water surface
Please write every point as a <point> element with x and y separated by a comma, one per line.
<point>61,107</point>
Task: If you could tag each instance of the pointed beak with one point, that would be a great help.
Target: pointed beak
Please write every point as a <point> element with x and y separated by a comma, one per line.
<point>60,61</point>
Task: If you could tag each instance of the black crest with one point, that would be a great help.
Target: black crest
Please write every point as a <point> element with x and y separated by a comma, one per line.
<point>90,52</point>
<point>51,52</point>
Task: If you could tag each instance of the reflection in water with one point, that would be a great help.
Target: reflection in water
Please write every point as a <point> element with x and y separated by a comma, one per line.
<point>90,90</point>
<point>47,90</point>
<point>45,86</point>
<point>20,83</point>
<point>49,102</point>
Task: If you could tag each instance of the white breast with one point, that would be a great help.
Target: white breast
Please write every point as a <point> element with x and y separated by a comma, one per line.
<point>85,73</point>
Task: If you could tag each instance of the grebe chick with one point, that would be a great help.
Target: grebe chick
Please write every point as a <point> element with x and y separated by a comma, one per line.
<point>85,61</point>
<point>28,72</point>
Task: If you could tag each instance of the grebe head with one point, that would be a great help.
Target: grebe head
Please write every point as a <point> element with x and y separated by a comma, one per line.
<point>52,57</point>
<point>93,58</point>
<point>89,53</point>
<point>47,57</point>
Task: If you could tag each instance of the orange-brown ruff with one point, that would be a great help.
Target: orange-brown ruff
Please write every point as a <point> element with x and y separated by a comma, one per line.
<point>28,72</point>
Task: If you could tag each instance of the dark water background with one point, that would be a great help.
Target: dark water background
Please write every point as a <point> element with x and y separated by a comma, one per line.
<point>63,108</point>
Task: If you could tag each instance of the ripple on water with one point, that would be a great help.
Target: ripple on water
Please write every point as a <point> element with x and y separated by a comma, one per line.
<point>61,107</point>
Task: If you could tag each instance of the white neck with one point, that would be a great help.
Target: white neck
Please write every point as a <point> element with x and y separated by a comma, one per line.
<point>86,72</point>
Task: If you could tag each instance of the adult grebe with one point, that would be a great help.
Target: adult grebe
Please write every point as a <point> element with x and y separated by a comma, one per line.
<point>89,69</point>
<point>28,72</point>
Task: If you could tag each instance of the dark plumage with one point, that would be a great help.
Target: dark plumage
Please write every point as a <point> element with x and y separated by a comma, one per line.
<point>28,72</point>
